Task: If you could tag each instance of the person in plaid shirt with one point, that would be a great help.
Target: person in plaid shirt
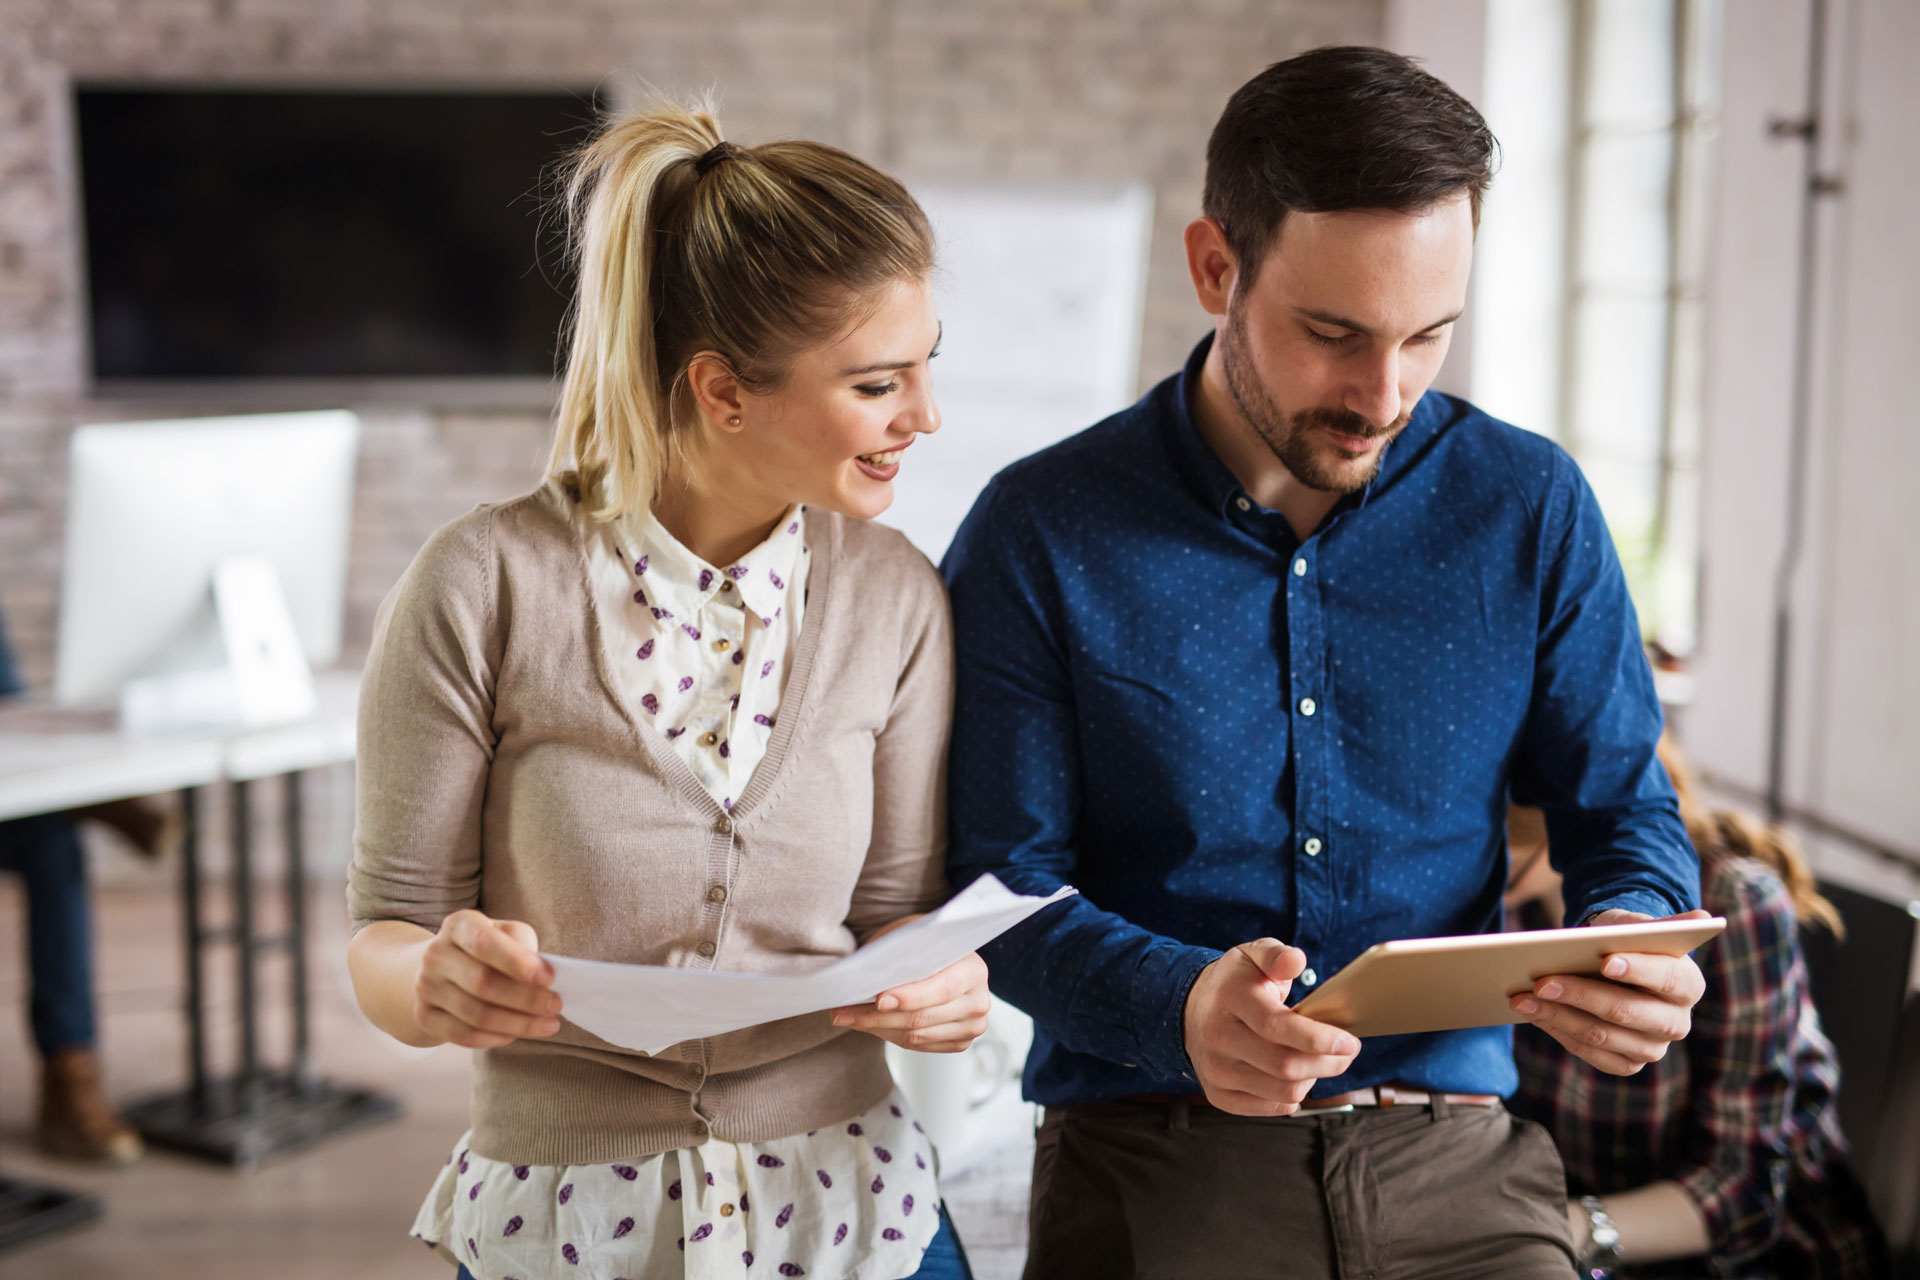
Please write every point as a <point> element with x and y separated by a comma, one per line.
<point>1724,1158</point>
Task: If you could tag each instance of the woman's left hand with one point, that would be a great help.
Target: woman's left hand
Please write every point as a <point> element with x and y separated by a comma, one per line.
<point>942,1014</point>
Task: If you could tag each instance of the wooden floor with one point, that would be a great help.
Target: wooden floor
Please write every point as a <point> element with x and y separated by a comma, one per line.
<point>336,1210</point>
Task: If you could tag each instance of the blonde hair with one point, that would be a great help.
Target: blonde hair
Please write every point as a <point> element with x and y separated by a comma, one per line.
<point>1718,834</point>
<point>684,243</point>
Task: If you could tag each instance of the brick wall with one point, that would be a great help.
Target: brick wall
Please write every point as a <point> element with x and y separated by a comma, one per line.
<point>979,90</point>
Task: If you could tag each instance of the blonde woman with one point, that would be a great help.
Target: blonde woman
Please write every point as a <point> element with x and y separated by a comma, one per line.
<point>1725,1156</point>
<point>682,705</point>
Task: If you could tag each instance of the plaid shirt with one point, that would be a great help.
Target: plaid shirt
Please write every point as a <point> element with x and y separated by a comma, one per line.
<point>1741,1113</point>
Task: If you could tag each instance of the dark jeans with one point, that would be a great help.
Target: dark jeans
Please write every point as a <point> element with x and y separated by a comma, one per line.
<point>44,851</point>
<point>1169,1191</point>
<point>943,1260</point>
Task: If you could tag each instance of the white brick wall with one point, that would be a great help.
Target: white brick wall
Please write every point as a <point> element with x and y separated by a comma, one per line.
<point>989,90</point>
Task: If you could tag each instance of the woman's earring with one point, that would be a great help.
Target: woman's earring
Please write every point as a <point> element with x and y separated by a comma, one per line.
<point>734,421</point>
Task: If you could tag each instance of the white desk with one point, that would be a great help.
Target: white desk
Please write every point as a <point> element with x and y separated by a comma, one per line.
<point>52,759</point>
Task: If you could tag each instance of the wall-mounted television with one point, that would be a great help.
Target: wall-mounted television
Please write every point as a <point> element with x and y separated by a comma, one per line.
<point>350,242</point>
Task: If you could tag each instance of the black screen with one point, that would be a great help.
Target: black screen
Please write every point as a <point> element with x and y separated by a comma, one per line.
<point>323,234</point>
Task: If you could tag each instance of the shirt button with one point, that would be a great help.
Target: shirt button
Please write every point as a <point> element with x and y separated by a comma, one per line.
<point>725,585</point>
<point>726,1210</point>
<point>717,894</point>
<point>706,949</point>
<point>721,646</point>
<point>1243,504</point>
<point>725,824</point>
<point>1300,567</point>
<point>1313,846</point>
<point>1307,707</point>
<point>708,739</point>
<point>1308,978</point>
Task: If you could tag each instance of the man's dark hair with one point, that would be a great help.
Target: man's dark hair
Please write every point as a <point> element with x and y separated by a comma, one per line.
<point>1345,127</point>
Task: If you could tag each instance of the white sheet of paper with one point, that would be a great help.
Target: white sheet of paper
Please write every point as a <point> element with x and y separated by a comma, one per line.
<point>648,1007</point>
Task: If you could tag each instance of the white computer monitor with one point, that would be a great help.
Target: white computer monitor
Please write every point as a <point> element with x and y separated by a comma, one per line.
<point>155,507</point>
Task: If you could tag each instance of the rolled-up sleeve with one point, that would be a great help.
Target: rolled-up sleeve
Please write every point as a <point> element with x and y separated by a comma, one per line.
<point>426,739</point>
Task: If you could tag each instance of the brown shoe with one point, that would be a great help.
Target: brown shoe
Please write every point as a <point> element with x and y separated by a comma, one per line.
<point>152,825</point>
<point>76,1120</point>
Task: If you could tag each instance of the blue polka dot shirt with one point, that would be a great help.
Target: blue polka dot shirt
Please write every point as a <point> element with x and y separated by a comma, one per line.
<point>1219,732</point>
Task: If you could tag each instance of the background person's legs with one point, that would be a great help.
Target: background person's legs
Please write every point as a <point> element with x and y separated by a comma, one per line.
<point>75,1118</point>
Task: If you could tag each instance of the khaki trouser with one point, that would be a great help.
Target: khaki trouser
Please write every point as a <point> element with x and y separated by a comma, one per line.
<point>1172,1191</point>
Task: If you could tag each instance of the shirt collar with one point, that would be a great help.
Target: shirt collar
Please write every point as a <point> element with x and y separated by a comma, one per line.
<point>1215,484</point>
<point>682,582</point>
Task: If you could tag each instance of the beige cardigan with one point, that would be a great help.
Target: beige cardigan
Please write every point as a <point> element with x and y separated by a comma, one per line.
<point>499,769</point>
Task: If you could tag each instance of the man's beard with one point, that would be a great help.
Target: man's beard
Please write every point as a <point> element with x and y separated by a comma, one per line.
<point>1290,435</point>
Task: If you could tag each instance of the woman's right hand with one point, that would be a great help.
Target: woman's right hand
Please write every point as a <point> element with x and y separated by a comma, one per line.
<point>483,984</point>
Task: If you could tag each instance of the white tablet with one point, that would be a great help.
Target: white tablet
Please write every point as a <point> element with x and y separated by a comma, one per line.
<point>1443,984</point>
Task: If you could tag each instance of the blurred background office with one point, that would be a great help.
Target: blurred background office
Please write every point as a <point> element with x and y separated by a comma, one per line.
<point>1696,271</point>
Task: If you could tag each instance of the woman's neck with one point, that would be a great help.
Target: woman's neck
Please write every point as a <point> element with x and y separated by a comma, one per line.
<point>717,522</point>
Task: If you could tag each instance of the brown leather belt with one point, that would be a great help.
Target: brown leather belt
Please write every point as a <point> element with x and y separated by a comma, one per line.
<point>1381,1095</point>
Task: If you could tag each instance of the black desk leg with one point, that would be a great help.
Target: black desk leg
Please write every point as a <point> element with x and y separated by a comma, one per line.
<point>29,1210</point>
<point>297,934</point>
<point>256,1113</point>
<point>196,982</point>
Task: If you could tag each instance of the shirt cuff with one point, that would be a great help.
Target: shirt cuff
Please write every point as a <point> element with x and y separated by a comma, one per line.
<point>1647,903</point>
<point>1160,989</point>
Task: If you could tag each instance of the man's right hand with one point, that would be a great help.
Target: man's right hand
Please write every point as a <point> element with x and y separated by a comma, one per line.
<point>483,984</point>
<point>1252,1054</point>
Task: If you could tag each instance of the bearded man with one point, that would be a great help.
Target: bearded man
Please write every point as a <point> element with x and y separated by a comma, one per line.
<point>1258,664</point>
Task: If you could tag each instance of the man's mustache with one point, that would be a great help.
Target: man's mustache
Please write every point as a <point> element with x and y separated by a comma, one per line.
<point>1347,423</point>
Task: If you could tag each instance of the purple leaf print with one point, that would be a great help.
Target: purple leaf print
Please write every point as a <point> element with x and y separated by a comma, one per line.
<point>766,622</point>
<point>919,1159</point>
<point>709,1179</point>
<point>886,1156</point>
<point>651,703</point>
<point>659,613</point>
<point>571,1254</point>
<point>645,651</point>
<point>514,1224</point>
<point>775,579</point>
<point>794,527</point>
<point>765,720</point>
<point>737,572</point>
<point>640,565</point>
<point>706,579</point>
<point>840,1233</point>
<point>463,1162</point>
<point>520,1172</point>
<point>825,1181</point>
<point>686,683</point>
<point>906,1204</point>
<point>772,1162</point>
<point>639,597</point>
<point>780,610</point>
<point>625,1172</point>
<point>780,1219</point>
<point>626,1225</point>
<point>895,1110</point>
<point>746,1258</point>
<point>878,1186</point>
<point>674,733</point>
<point>473,1192</point>
<point>855,1129</point>
<point>739,656</point>
<point>472,1248</point>
<point>734,701</point>
<point>891,1233</point>
<point>673,1192</point>
<point>792,1269</point>
<point>725,751</point>
<point>700,1233</point>
<point>917,1128</point>
<point>566,1193</point>
<point>743,1202</point>
<point>693,632</point>
<point>766,669</point>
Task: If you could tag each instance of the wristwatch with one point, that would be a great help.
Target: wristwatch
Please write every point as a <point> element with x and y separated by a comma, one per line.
<point>1602,1253</point>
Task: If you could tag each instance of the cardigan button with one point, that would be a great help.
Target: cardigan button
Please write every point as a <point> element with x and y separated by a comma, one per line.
<point>718,893</point>
<point>706,950</point>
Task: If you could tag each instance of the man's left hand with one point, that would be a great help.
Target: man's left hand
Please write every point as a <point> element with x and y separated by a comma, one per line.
<point>1625,1020</point>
